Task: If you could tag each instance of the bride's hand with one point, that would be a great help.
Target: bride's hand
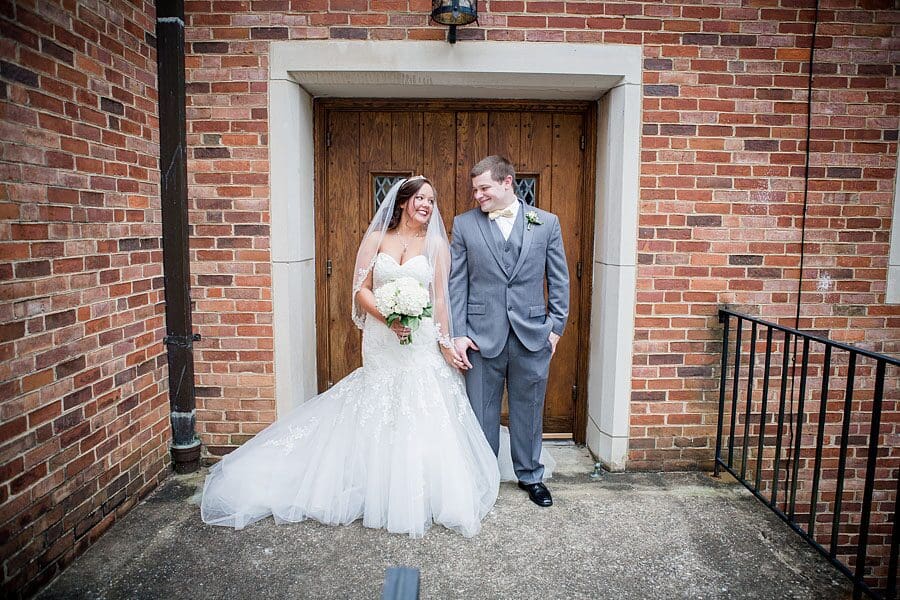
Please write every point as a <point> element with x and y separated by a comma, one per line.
<point>452,357</point>
<point>399,330</point>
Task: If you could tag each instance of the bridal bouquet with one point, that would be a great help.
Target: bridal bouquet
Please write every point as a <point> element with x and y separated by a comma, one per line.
<point>405,299</point>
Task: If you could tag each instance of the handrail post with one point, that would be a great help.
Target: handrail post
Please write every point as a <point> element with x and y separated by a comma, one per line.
<point>871,459</point>
<point>723,318</point>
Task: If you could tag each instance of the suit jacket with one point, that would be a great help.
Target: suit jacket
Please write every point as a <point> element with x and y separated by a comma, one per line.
<point>488,298</point>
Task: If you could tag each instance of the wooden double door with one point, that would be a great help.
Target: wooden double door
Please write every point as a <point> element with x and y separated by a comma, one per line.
<point>364,146</point>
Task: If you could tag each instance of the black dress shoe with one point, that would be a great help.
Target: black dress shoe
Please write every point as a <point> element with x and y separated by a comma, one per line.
<point>538,493</point>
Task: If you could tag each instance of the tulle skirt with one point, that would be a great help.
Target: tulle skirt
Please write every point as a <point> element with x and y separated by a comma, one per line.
<point>395,443</point>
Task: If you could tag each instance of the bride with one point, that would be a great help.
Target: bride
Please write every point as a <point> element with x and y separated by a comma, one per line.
<point>395,442</point>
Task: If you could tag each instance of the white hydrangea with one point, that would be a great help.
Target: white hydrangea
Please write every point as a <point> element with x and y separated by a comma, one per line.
<point>402,296</point>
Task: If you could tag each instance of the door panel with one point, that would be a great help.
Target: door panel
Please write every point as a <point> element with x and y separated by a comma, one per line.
<point>566,189</point>
<point>406,141</point>
<point>444,144</point>
<point>375,129</point>
<point>537,132</point>
<point>471,141</point>
<point>439,158</point>
<point>503,134</point>
<point>345,228</point>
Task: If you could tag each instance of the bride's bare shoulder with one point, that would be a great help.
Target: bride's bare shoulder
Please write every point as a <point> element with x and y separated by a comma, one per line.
<point>371,244</point>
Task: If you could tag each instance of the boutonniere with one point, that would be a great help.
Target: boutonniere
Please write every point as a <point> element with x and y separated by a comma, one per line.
<point>532,218</point>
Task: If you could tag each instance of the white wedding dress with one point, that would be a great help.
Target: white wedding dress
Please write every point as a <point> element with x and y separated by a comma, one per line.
<point>394,443</point>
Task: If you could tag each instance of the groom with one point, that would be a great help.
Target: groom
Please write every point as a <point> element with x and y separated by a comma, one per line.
<point>502,255</point>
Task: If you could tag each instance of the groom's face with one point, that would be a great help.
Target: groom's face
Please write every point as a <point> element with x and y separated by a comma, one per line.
<point>492,195</point>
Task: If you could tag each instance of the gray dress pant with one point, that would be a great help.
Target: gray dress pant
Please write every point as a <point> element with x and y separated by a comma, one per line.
<point>525,374</point>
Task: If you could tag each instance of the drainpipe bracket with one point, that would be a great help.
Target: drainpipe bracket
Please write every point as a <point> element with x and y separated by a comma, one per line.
<point>182,341</point>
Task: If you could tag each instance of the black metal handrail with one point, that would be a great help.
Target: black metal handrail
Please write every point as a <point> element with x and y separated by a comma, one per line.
<point>782,467</point>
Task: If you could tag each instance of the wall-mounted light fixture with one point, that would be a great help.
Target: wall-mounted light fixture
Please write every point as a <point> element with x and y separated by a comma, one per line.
<point>453,13</point>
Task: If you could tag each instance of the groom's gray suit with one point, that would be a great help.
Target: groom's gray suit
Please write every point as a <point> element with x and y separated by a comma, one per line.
<point>497,294</point>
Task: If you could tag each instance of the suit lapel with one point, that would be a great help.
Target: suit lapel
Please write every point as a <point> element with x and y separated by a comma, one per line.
<point>484,224</point>
<point>528,236</point>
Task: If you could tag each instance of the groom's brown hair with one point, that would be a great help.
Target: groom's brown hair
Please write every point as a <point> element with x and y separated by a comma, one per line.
<point>499,166</point>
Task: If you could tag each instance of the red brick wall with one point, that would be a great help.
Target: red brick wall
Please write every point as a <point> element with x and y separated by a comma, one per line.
<point>228,174</point>
<point>723,160</point>
<point>83,397</point>
<point>723,151</point>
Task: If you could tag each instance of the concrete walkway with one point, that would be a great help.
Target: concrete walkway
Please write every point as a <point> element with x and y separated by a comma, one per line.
<point>632,535</point>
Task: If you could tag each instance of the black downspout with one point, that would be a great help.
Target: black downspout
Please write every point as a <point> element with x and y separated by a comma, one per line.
<point>809,107</point>
<point>179,338</point>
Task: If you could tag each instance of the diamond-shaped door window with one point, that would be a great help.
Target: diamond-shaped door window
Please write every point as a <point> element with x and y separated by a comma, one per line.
<point>526,189</point>
<point>381,185</point>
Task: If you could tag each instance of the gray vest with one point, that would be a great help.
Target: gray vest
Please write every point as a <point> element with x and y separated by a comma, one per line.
<point>511,248</point>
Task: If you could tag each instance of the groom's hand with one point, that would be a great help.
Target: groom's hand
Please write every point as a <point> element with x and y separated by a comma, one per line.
<point>554,339</point>
<point>462,346</point>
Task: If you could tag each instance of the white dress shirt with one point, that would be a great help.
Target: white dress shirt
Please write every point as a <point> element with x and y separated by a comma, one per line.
<point>506,223</point>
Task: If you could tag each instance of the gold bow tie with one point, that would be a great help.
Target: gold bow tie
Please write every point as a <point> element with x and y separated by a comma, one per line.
<point>503,212</point>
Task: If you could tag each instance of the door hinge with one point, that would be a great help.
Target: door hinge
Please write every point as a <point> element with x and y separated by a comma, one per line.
<point>574,393</point>
<point>328,138</point>
<point>328,268</point>
<point>578,269</point>
<point>581,143</point>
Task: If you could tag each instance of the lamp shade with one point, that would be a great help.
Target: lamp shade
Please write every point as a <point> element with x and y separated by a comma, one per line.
<point>454,12</point>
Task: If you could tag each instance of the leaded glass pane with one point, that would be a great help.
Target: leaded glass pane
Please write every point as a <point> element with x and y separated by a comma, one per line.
<point>526,189</point>
<point>382,185</point>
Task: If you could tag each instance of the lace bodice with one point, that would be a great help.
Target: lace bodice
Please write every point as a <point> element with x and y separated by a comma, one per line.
<point>387,269</point>
<point>380,348</point>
